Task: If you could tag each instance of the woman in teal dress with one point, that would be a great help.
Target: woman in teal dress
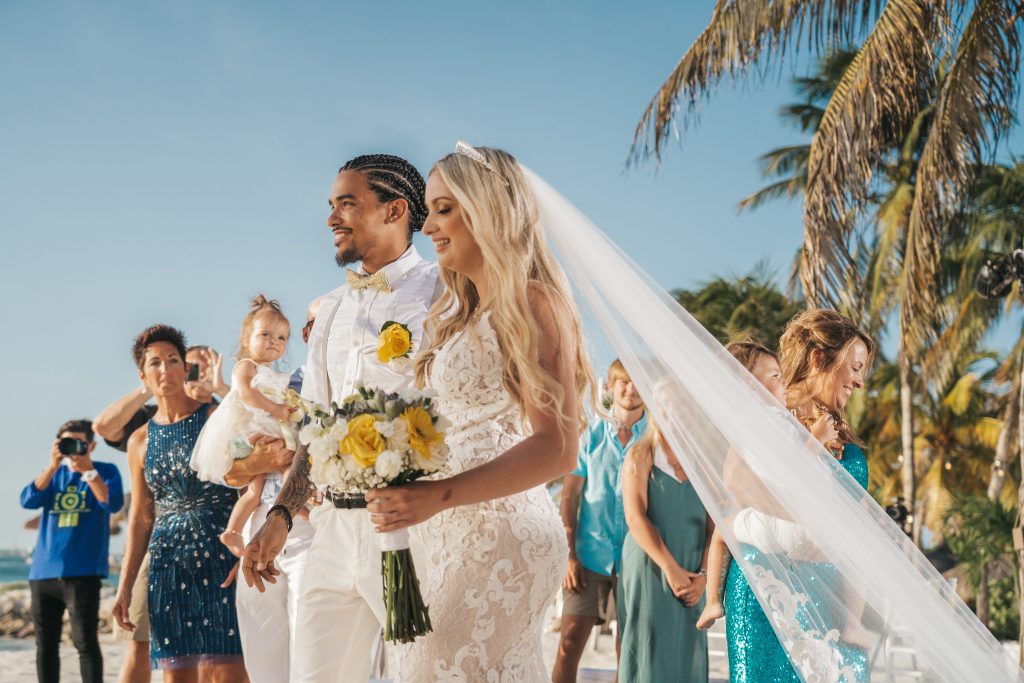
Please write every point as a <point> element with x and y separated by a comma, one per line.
<point>664,569</point>
<point>824,359</point>
<point>193,623</point>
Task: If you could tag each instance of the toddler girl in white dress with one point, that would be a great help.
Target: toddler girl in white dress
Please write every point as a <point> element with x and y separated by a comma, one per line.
<point>255,406</point>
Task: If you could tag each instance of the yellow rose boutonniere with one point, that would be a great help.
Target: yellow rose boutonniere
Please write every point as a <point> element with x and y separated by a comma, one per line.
<point>363,442</point>
<point>395,341</point>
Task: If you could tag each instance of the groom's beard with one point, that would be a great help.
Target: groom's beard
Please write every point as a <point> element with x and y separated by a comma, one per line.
<point>348,256</point>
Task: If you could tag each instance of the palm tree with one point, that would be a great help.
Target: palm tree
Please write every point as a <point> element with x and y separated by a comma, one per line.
<point>993,224</point>
<point>957,430</point>
<point>958,433</point>
<point>878,99</point>
<point>744,306</point>
<point>787,166</point>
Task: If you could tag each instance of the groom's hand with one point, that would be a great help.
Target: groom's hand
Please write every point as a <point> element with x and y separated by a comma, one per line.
<point>258,557</point>
<point>398,507</point>
<point>268,455</point>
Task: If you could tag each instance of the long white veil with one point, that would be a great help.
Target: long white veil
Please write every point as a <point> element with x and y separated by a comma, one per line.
<point>824,556</point>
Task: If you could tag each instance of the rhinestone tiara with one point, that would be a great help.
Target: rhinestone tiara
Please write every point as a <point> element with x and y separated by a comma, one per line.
<point>467,150</point>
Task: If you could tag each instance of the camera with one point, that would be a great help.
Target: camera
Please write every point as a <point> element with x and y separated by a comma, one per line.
<point>72,447</point>
<point>193,373</point>
<point>996,277</point>
<point>898,512</point>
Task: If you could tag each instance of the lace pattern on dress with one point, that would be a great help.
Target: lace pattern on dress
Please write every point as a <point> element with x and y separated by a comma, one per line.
<point>493,568</point>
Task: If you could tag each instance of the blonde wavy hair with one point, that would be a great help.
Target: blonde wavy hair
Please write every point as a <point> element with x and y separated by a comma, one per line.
<point>642,451</point>
<point>830,334</point>
<point>500,211</point>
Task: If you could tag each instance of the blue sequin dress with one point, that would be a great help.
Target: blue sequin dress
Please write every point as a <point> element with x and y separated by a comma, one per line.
<point>755,654</point>
<point>192,619</point>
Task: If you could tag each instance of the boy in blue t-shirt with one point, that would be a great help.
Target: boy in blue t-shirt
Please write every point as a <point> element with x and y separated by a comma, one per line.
<point>71,557</point>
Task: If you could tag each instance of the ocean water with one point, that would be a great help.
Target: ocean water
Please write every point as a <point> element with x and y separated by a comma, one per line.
<point>14,566</point>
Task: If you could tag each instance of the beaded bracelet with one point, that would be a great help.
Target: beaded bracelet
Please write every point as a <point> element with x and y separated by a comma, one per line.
<point>287,514</point>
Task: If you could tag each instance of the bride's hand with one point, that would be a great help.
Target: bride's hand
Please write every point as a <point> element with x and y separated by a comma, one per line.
<point>398,507</point>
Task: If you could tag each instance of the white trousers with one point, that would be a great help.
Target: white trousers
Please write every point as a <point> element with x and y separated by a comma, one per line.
<point>266,621</point>
<point>341,611</point>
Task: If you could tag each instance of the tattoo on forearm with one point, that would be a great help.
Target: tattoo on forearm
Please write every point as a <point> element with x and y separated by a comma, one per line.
<point>297,487</point>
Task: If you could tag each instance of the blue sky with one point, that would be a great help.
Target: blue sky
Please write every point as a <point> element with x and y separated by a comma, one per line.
<point>163,162</point>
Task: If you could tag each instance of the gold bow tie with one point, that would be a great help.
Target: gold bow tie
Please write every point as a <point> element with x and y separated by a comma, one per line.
<point>378,281</point>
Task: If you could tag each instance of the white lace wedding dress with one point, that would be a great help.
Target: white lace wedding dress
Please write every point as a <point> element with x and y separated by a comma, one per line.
<point>493,568</point>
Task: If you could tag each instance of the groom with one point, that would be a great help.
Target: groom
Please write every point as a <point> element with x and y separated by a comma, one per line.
<point>377,203</point>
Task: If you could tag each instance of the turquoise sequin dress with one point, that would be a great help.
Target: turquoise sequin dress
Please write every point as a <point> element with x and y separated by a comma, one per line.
<point>192,619</point>
<point>755,654</point>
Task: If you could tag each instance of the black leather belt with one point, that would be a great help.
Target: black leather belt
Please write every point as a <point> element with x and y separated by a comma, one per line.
<point>348,501</point>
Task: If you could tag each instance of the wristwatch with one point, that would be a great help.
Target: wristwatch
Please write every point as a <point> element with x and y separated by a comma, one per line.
<point>702,572</point>
<point>89,475</point>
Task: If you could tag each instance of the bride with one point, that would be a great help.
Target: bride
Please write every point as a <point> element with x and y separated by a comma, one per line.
<point>508,366</point>
<point>509,369</point>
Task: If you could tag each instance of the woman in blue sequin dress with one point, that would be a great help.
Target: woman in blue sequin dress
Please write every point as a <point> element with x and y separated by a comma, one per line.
<point>824,359</point>
<point>179,517</point>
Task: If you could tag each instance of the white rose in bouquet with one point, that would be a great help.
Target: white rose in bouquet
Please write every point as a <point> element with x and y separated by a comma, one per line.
<point>388,465</point>
<point>434,462</point>
<point>310,431</point>
<point>323,448</point>
<point>338,430</point>
<point>385,428</point>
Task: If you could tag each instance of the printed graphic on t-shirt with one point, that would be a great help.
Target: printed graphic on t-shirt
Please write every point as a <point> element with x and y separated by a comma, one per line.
<point>69,504</point>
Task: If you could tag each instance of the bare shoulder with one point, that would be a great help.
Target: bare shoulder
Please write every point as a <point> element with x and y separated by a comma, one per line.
<point>637,465</point>
<point>137,445</point>
<point>245,369</point>
<point>549,307</point>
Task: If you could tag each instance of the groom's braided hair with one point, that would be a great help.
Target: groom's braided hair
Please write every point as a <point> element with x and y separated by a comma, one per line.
<point>392,177</point>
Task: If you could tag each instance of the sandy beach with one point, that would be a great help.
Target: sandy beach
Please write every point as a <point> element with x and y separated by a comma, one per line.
<point>17,658</point>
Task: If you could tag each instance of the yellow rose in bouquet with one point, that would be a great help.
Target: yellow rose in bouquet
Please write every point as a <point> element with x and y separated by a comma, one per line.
<point>363,442</point>
<point>422,432</point>
<point>395,341</point>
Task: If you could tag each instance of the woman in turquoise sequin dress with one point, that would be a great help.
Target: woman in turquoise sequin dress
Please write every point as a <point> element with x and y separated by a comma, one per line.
<point>824,359</point>
<point>192,619</point>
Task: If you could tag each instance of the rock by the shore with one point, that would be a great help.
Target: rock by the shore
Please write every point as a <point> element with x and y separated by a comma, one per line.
<point>16,611</point>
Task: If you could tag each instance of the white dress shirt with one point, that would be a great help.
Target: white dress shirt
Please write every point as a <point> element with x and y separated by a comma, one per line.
<point>343,341</point>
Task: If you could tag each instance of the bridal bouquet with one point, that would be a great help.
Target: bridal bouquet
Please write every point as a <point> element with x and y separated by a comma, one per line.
<point>374,440</point>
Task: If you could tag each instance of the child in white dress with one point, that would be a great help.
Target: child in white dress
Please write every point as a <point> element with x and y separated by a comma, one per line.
<point>255,406</point>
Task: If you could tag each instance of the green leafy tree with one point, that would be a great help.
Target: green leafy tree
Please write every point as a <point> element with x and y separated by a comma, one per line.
<point>733,309</point>
<point>980,535</point>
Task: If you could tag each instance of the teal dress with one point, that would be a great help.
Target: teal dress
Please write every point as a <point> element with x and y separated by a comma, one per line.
<point>659,636</point>
<point>755,654</point>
